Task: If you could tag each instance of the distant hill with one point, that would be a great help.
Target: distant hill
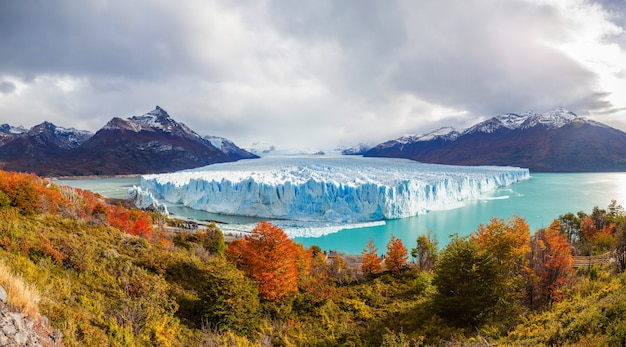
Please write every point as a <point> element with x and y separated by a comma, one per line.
<point>556,141</point>
<point>150,143</point>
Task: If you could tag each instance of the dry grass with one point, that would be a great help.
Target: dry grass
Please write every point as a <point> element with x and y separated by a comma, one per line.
<point>20,295</point>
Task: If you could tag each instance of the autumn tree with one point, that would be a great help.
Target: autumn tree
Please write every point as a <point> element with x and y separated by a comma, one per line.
<point>317,285</point>
<point>268,257</point>
<point>370,263</point>
<point>426,251</point>
<point>396,256</point>
<point>507,243</point>
<point>338,269</point>
<point>553,263</point>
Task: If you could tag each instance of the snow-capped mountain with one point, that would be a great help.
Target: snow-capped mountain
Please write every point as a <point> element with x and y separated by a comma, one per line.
<point>552,120</point>
<point>63,137</point>
<point>42,145</point>
<point>149,143</point>
<point>558,140</point>
<point>229,148</point>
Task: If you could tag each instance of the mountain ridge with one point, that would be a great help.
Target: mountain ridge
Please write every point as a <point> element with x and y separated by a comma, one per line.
<point>149,143</point>
<point>555,141</point>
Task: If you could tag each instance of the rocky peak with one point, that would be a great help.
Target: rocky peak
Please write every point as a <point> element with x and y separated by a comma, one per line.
<point>8,129</point>
<point>552,119</point>
<point>159,120</point>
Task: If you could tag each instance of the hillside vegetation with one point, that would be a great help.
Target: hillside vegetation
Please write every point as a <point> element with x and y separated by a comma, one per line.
<point>106,275</point>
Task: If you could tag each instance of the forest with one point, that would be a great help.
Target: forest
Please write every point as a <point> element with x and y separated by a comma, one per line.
<point>105,274</point>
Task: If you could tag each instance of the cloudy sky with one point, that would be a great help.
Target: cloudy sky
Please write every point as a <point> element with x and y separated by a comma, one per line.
<point>310,73</point>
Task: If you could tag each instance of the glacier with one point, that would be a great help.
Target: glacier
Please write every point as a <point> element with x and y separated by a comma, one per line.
<point>333,189</point>
<point>145,200</point>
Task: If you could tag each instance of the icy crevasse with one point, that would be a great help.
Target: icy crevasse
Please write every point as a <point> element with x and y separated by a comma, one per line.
<point>334,189</point>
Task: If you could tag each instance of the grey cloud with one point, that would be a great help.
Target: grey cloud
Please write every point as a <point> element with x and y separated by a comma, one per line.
<point>292,72</point>
<point>87,38</point>
<point>7,87</point>
<point>482,56</point>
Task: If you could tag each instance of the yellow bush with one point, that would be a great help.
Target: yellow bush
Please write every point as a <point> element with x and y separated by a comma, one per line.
<point>20,294</point>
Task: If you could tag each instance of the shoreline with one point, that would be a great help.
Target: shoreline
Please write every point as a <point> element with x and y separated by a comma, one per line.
<point>92,177</point>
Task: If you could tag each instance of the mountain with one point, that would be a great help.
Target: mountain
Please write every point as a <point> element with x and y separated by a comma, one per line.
<point>229,148</point>
<point>9,133</point>
<point>556,141</point>
<point>359,149</point>
<point>150,143</point>
<point>43,146</point>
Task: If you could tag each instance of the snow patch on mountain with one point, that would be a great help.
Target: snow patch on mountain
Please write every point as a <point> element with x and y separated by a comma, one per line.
<point>126,124</point>
<point>445,133</point>
<point>216,141</point>
<point>552,120</point>
<point>508,121</point>
<point>14,130</point>
<point>324,188</point>
<point>72,137</point>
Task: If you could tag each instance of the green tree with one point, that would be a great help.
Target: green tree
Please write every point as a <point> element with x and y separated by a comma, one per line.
<point>426,251</point>
<point>5,201</point>
<point>230,300</point>
<point>215,239</point>
<point>570,224</point>
<point>465,278</point>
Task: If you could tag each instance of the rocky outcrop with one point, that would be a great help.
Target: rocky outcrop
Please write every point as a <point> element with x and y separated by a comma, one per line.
<point>19,329</point>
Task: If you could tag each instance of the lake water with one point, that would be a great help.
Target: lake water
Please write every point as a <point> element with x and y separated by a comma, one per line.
<point>539,200</point>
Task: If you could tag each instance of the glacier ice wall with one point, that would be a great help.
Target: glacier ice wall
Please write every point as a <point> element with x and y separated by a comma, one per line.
<point>320,188</point>
<point>145,200</point>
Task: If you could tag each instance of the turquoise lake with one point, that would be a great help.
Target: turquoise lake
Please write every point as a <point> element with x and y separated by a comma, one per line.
<point>539,200</point>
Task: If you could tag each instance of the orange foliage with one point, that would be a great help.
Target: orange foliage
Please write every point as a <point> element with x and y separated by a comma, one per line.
<point>304,258</point>
<point>507,242</point>
<point>397,255</point>
<point>317,284</point>
<point>370,264</point>
<point>47,248</point>
<point>588,229</point>
<point>31,194</point>
<point>555,261</point>
<point>270,258</point>
<point>134,222</point>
